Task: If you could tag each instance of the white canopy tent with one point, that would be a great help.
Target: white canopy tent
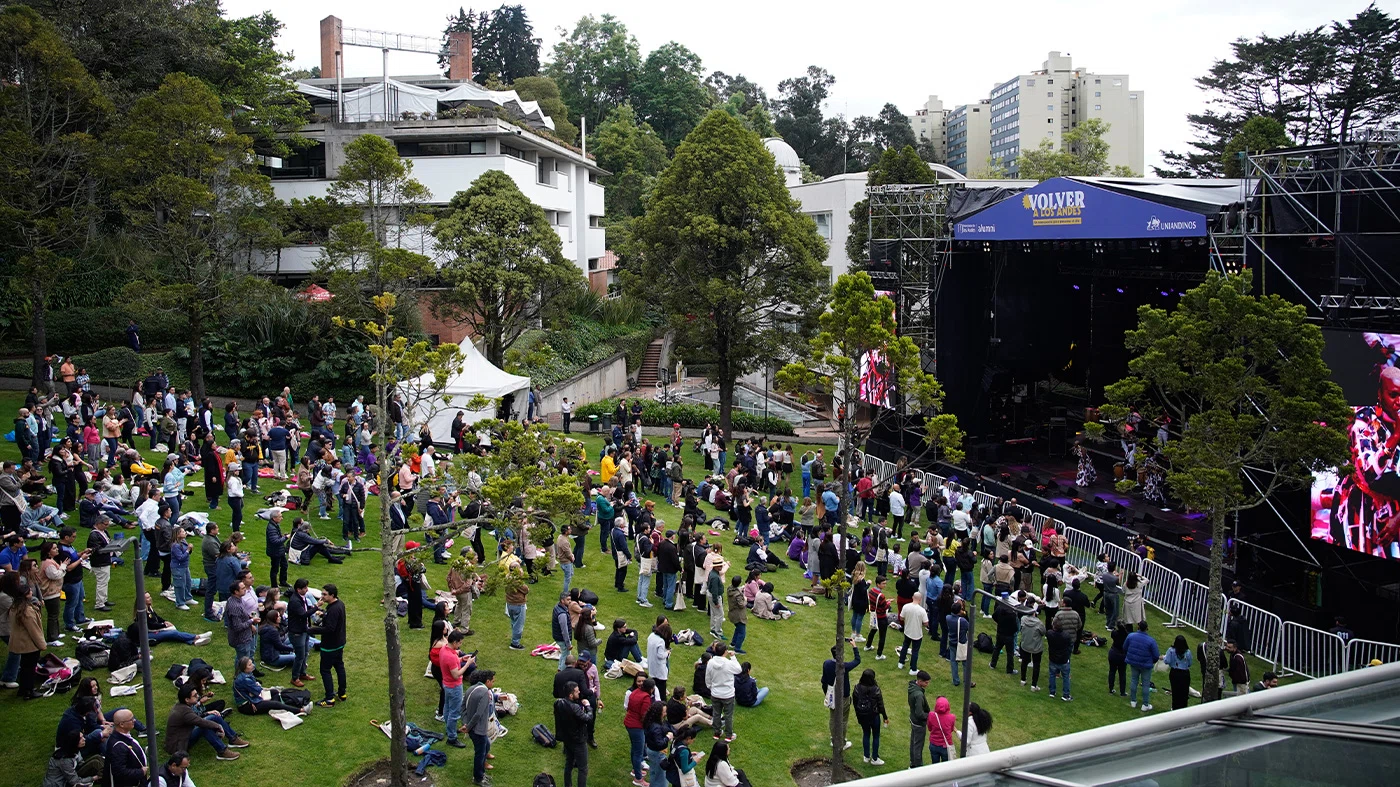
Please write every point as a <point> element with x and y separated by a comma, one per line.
<point>478,376</point>
<point>367,103</point>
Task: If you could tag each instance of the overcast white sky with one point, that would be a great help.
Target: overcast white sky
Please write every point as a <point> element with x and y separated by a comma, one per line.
<point>898,52</point>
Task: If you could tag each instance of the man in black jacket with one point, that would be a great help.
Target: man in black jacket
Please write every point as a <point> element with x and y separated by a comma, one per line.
<point>1078,601</point>
<point>332,633</point>
<point>572,714</point>
<point>277,549</point>
<point>299,611</point>
<point>668,565</point>
<point>1008,624</point>
<point>126,764</point>
<point>829,668</point>
<point>576,671</point>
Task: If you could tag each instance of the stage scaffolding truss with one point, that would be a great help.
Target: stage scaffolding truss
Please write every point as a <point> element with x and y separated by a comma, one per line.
<point>913,219</point>
<point>1324,191</point>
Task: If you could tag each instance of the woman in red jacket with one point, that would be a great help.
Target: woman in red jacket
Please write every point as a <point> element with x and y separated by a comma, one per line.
<point>638,701</point>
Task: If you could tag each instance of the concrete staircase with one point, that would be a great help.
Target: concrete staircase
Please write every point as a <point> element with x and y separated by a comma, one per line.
<point>649,374</point>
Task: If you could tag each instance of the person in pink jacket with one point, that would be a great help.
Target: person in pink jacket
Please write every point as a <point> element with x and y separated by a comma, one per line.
<point>942,731</point>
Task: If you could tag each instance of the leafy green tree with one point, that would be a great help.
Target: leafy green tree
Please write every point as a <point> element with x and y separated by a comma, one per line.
<point>724,251</point>
<point>893,167</point>
<point>668,93</point>
<point>542,89</point>
<point>1082,152</point>
<point>1323,84</point>
<point>724,87</point>
<point>186,183</point>
<point>373,253</point>
<point>237,57</point>
<point>595,67</point>
<point>505,264</point>
<point>1257,135</point>
<point>820,141</point>
<point>634,154</point>
<point>1244,378</point>
<point>503,43</point>
<point>855,325</point>
<point>50,111</point>
<point>419,372</point>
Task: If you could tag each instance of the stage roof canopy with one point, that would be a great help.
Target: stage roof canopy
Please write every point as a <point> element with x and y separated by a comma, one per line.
<point>1092,208</point>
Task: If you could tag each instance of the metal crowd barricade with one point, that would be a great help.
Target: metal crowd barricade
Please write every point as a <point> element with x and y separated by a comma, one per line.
<point>1265,630</point>
<point>1311,652</point>
<point>1192,604</point>
<point>1123,558</point>
<point>984,498</point>
<point>1163,589</point>
<point>1022,513</point>
<point>1083,548</point>
<point>1361,652</point>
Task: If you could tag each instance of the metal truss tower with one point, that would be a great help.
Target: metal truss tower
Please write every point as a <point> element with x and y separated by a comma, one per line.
<point>1334,196</point>
<point>913,219</point>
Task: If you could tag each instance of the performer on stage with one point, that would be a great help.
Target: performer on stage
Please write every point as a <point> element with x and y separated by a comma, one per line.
<point>1366,512</point>
<point>1154,488</point>
<point>1086,474</point>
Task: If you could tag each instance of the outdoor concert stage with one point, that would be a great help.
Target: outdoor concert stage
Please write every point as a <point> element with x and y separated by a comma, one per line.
<point>1021,311</point>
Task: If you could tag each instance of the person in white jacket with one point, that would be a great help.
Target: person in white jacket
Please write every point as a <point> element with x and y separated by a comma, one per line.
<point>659,653</point>
<point>720,672</point>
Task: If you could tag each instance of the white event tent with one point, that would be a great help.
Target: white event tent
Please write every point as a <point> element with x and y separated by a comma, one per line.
<point>478,376</point>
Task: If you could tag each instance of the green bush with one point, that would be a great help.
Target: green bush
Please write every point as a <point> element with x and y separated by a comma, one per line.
<point>112,366</point>
<point>690,416</point>
<point>79,330</point>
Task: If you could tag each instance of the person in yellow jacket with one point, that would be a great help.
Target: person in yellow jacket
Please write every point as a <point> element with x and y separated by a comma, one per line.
<point>609,466</point>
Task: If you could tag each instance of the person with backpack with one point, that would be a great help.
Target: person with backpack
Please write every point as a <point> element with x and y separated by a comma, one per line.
<point>646,564</point>
<point>879,606</point>
<point>869,705</point>
<point>560,627</point>
<point>683,761</point>
<point>477,718</point>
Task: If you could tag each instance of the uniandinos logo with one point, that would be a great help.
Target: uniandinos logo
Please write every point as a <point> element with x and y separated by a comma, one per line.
<point>1155,224</point>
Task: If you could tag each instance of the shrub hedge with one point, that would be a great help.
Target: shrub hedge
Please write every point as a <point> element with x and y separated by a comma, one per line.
<point>690,416</point>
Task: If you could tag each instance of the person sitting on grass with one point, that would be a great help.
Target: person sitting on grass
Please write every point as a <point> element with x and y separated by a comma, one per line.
<point>622,643</point>
<point>248,694</point>
<point>158,629</point>
<point>306,542</point>
<point>275,648</point>
<point>185,726</point>
<point>766,607</point>
<point>746,689</point>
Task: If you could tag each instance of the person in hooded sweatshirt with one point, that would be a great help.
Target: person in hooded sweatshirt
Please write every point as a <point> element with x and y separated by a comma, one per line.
<point>942,735</point>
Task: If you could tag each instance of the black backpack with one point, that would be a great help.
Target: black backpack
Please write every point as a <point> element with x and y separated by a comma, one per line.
<point>543,780</point>
<point>545,738</point>
<point>93,655</point>
<point>983,643</point>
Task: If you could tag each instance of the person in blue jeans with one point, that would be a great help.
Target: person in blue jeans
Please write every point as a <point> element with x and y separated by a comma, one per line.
<point>1141,652</point>
<point>1058,648</point>
<point>477,718</point>
<point>959,649</point>
<point>275,650</point>
<point>73,615</point>
<point>180,550</point>
<point>186,726</point>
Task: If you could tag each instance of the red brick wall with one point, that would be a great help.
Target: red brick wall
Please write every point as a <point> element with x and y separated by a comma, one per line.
<point>432,326</point>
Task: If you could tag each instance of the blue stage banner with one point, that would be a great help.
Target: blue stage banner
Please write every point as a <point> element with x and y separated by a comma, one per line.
<point>1064,209</point>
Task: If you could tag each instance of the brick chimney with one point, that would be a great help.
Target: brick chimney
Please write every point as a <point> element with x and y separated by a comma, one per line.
<point>459,56</point>
<point>330,46</point>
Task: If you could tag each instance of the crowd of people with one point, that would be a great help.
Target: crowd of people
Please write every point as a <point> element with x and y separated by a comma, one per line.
<point>912,555</point>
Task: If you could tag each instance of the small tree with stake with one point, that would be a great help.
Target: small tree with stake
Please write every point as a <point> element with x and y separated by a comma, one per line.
<point>1244,376</point>
<point>856,324</point>
<point>421,372</point>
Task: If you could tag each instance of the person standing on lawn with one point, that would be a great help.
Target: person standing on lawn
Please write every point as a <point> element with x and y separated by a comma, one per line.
<point>299,611</point>
<point>572,717</point>
<point>738,613</point>
<point>918,717</point>
<point>912,618</point>
<point>453,667</point>
<point>714,590</point>
<point>720,672</point>
<point>1141,652</point>
<point>210,548</point>
<point>332,634</point>
<point>477,720</point>
<point>829,668</point>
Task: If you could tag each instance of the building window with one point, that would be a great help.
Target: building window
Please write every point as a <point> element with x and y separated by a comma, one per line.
<point>1098,81</point>
<point>1133,96</point>
<point>1117,83</point>
<point>595,222</point>
<point>1049,107</point>
<point>593,178</point>
<point>593,264</point>
<point>1030,83</point>
<point>1049,94</point>
<point>1098,107</point>
<point>1049,120</point>
<point>1049,81</point>
<point>514,152</point>
<point>1098,94</point>
<point>823,221</point>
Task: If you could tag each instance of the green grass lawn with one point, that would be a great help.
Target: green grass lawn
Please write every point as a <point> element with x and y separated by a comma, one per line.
<point>333,743</point>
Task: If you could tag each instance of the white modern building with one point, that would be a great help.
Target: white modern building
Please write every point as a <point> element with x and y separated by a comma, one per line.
<point>969,130</point>
<point>452,131</point>
<point>1046,104</point>
<point>930,124</point>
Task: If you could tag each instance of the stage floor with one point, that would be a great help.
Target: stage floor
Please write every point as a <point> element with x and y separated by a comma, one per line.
<point>1164,524</point>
